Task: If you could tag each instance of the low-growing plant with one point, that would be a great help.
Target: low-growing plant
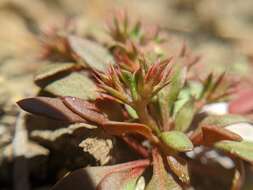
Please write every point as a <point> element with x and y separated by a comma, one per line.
<point>159,115</point>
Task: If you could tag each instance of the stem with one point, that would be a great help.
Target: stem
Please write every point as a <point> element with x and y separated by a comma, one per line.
<point>142,111</point>
<point>239,175</point>
<point>136,146</point>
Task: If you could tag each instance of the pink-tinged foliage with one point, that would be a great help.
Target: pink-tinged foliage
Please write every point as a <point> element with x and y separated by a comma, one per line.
<point>210,134</point>
<point>120,128</point>
<point>104,177</point>
<point>121,180</point>
<point>161,179</point>
<point>85,109</point>
<point>243,103</point>
<point>50,107</point>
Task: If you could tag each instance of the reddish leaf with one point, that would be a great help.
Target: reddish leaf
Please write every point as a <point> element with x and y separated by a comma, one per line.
<point>210,134</point>
<point>120,128</point>
<point>124,180</point>
<point>90,177</point>
<point>85,109</point>
<point>161,179</point>
<point>49,107</point>
<point>243,103</point>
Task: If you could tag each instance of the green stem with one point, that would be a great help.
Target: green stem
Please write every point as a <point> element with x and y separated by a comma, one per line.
<point>142,111</point>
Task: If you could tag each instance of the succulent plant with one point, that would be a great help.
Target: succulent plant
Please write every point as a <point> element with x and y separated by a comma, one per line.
<point>159,110</point>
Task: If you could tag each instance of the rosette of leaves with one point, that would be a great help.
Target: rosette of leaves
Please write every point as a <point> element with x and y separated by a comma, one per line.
<point>161,122</point>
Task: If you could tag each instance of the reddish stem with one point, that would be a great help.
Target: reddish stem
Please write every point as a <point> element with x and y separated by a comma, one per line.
<point>137,147</point>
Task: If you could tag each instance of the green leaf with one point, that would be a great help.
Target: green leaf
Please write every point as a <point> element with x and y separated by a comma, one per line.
<point>177,140</point>
<point>192,90</point>
<point>130,81</point>
<point>176,85</point>
<point>223,120</point>
<point>49,70</point>
<point>195,89</point>
<point>131,112</point>
<point>95,56</point>
<point>114,177</point>
<point>243,149</point>
<point>74,84</point>
<point>161,179</point>
<point>169,95</point>
<point>207,85</point>
<point>183,98</point>
<point>180,167</point>
<point>185,116</point>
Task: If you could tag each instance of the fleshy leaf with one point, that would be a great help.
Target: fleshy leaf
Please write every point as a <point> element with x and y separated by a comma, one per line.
<point>177,141</point>
<point>85,109</point>
<point>90,177</point>
<point>130,81</point>
<point>191,91</point>
<point>126,180</point>
<point>210,134</point>
<point>180,168</point>
<point>95,56</point>
<point>223,120</point>
<point>169,94</point>
<point>49,70</point>
<point>177,82</point>
<point>183,97</point>
<point>49,107</point>
<point>131,112</point>
<point>161,179</point>
<point>243,149</point>
<point>207,85</point>
<point>74,84</point>
<point>185,116</point>
<point>243,104</point>
<point>120,128</point>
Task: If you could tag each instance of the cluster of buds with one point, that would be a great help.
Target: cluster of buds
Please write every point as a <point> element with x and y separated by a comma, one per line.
<point>142,84</point>
<point>55,44</point>
<point>122,30</point>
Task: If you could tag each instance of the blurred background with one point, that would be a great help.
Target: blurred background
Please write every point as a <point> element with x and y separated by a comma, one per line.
<point>220,31</point>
